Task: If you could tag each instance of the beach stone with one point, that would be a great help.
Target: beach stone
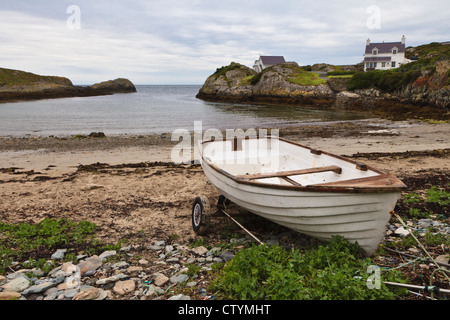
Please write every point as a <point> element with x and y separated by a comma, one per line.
<point>9,295</point>
<point>161,280</point>
<point>425,222</point>
<point>70,293</point>
<point>212,252</point>
<point>102,294</point>
<point>90,264</point>
<point>169,249</point>
<point>43,286</point>
<point>201,250</point>
<point>90,294</point>
<point>134,269</point>
<point>121,264</point>
<point>17,284</point>
<point>402,232</point>
<point>414,250</point>
<point>179,278</point>
<point>124,287</point>
<point>97,135</point>
<point>107,280</point>
<point>442,259</point>
<point>227,256</point>
<point>59,254</point>
<point>107,254</point>
<point>180,297</point>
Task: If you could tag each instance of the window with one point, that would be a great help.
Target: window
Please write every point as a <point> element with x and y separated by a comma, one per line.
<point>374,52</point>
<point>394,51</point>
<point>393,64</point>
<point>383,64</point>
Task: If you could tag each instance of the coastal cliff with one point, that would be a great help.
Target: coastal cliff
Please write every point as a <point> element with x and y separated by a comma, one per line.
<point>416,90</point>
<point>18,85</point>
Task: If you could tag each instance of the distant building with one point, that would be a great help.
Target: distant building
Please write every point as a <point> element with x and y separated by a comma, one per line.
<point>384,55</point>
<point>266,61</point>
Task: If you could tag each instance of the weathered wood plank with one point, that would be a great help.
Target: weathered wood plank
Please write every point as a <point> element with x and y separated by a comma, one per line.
<point>281,174</point>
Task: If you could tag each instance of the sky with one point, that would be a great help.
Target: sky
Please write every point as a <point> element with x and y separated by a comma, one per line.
<point>185,41</point>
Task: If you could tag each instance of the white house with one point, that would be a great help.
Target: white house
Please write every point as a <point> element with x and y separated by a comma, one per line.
<point>266,61</point>
<point>384,55</point>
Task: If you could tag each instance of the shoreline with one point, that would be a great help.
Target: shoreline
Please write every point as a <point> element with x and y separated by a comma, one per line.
<point>58,155</point>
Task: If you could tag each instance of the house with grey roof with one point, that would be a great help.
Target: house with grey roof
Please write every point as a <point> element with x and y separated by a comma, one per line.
<point>384,55</point>
<point>266,61</point>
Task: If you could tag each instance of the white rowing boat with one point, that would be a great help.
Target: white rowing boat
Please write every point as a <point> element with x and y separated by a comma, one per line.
<point>312,192</point>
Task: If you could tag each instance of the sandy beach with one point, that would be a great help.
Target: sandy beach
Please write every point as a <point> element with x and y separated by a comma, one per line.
<point>128,193</point>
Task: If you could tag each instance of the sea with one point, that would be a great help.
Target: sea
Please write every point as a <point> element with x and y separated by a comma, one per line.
<point>154,109</point>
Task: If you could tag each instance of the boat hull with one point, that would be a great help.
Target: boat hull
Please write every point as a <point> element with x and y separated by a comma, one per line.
<point>358,217</point>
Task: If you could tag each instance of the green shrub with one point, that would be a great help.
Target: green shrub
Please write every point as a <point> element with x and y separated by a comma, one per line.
<point>385,80</point>
<point>223,70</point>
<point>438,196</point>
<point>334,271</point>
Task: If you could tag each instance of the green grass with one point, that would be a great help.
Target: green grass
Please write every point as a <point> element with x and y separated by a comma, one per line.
<point>37,242</point>
<point>9,78</point>
<point>333,271</point>
<point>305,78</point>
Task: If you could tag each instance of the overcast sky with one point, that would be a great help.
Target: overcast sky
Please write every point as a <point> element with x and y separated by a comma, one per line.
<point>184,41</point>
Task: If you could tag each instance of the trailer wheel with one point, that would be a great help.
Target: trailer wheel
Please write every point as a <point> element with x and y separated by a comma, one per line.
<point>201,215</point>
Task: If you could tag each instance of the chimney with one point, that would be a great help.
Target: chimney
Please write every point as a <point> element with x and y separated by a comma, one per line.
<point>403,40</point>
<point>368,42</point>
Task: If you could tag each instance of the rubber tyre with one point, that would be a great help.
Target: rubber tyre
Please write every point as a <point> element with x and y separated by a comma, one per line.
<point>201,214</point>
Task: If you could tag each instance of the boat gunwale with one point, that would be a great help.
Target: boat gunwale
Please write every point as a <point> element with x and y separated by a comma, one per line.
<point>396,185</point>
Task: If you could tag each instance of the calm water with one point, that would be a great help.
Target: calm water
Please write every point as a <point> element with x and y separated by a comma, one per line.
<point>153,109</point>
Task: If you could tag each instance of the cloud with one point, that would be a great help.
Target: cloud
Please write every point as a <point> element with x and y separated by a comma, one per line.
<point>174,41</point>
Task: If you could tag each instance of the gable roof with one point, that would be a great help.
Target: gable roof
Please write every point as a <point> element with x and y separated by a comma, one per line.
<point>271,60</point>
<point>385,47</point>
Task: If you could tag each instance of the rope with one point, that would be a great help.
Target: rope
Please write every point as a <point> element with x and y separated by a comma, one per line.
<point>443,270</point>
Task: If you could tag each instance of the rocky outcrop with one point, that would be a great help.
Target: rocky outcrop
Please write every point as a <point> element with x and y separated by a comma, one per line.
<point>291,84</point>
<point>281,84</point>
<point>18,85</point>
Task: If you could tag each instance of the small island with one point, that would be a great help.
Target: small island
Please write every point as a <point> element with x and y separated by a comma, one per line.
<point>16,85</point>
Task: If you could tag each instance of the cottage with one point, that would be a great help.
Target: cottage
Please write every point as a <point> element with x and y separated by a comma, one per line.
<point>266,61</point>
<point>384,55</point>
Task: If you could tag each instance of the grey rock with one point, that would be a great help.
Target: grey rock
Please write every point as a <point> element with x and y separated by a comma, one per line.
<point>107,254</point>
<point>59,254</point>
<point>43,286</point>
<point>227,256</point>
<point>18,284</point>
<point>121,264</point>
<point>201,250</point>
<point>180,297</point>
<point>107,280</point>
<point>90,265</point>
<point>213,251</point>
<point>70,293</point>
<point>179,278</point>
<point>160,280</point>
